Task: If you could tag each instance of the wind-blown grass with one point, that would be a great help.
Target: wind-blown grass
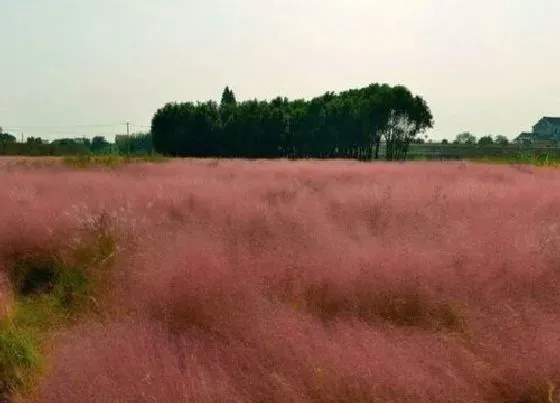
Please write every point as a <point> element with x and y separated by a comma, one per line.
<point>109,161</point>
<point>53,281</point>
<point>300,281</point>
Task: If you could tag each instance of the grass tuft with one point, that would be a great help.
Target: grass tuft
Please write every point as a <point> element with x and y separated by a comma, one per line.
<point>109,161</point>
<point>20,360</point>
<point>34,274</point>
<point>542,393</point>
<point>400,309</point>
<point>52,286</point>
<point>69,275</point>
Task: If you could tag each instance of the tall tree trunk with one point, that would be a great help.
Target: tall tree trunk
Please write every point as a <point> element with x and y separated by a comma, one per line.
<point>406,146</point>
<point>371,139</point>
<point>389,148</point>
<point>377,143</point>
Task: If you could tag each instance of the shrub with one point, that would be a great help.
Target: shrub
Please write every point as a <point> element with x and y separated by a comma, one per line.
<point>33,274</point>
<point>70,273</point>
<point>53,283</point>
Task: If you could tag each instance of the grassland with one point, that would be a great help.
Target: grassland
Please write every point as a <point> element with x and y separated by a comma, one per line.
<point>277,281</point>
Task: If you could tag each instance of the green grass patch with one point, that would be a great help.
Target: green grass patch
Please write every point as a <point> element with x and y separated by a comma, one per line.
<point>53,288</point>
<point>109,161</point>
<point>20,360</point>
<point>537,159</point>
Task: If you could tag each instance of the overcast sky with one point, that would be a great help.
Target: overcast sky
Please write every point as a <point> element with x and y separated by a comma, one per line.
<point>487,66</point>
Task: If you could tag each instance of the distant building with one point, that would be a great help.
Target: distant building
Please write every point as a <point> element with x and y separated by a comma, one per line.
<point>548,126</point>
<point>545,132</point>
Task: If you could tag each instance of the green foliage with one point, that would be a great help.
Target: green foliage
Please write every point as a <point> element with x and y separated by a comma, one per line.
<point>7,138</point>
<point>34,140</point>
<point>485,141</point>
<point>228,98</point>
<point>138,144</point>
<point>38,314</point>
<point>68,276</point>
<point>109,161</point>
<point>537,159</point>
<point>83,141</point>
<point>34,148</point>
<point>19,360</point>
<point>408,115</point>
<point>465,138</point>
<point>88,160</point>
<point>34,274</point>
<point>349,124</point>
<point>53,286</point>
<point>501,140</point>
<point>99,145</point>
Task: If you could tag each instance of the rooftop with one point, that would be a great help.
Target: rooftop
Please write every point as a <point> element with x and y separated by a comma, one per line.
<point>554,121</point>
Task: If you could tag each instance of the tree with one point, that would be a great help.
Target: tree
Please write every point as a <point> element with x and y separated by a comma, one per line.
<point>99,145</point>
<point>228,97</point>
<point>501,140</point>
<point>444,141</point>
<point>465,138</point>
<point>34,140</point>
<point>485,141</point>
<point>7,138</point>
<point>349,124</point>
<point>409,116</point>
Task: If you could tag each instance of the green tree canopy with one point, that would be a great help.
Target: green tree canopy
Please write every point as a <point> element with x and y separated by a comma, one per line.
<point>7,138</point>
<point>350,124</point>
<point>501,140</point>
<point>228,97</point>
<point>485,141</point>
<point>34,140</point>
<point>99,145</point>
<point>465,138</point>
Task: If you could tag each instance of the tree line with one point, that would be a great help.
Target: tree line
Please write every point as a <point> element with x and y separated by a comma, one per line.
<point>135,144</point>
<point>468,138</point>
<point>350,124</point>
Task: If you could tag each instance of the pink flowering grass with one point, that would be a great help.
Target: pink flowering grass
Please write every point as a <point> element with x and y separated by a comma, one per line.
<point>279,281</point>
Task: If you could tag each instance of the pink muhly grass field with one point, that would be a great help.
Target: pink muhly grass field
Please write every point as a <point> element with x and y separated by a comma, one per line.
<point>277,281</point>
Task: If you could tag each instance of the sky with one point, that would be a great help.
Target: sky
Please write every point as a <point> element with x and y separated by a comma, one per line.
<point>84,68</point>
